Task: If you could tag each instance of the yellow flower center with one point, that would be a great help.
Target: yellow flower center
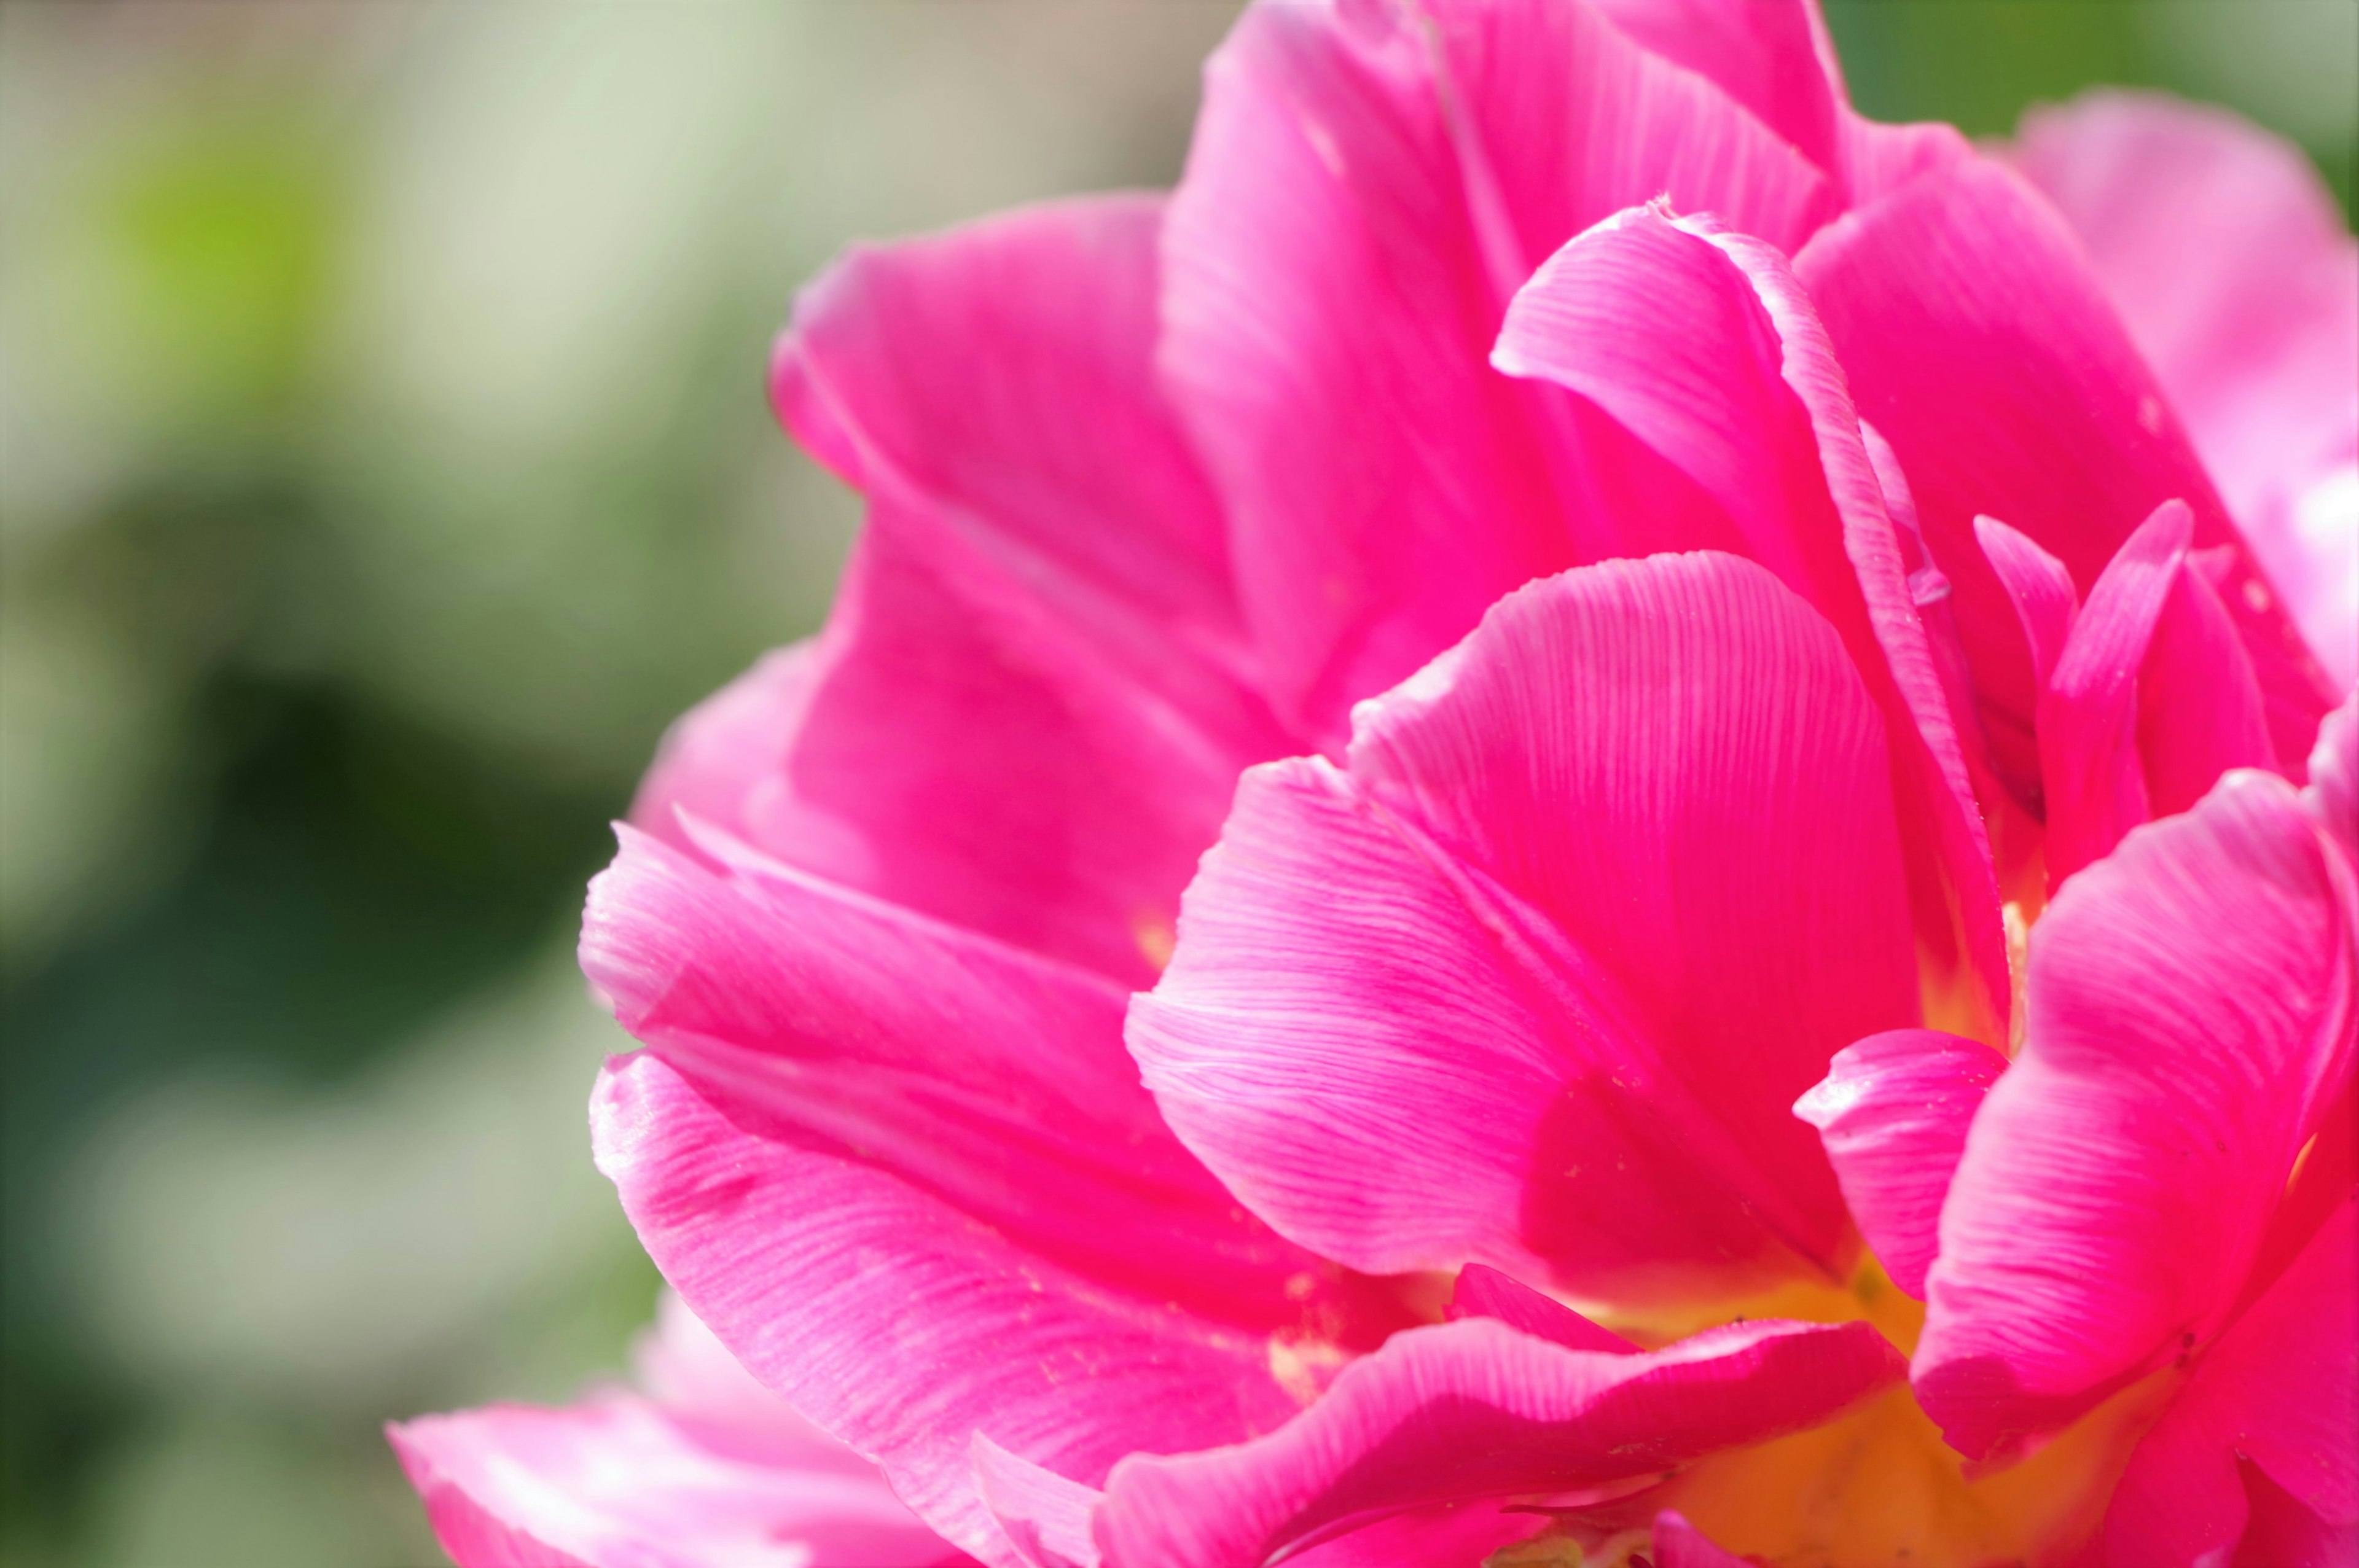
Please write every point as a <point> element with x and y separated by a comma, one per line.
<point>1878,1487</point>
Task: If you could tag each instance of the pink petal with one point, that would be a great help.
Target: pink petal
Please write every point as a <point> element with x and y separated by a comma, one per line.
<point>898,1324</point>
<point>619,1483</point>
<point>1567,122</point>
<point>1893,1112</point>
<point>1774,58</point>
<point>2093,779</point>
<point>1483,1291</point>
<point>1536,982</point>
<point>683,1366</point>
<point>1879,159</point>
<point>726,759</point>
<point>1030,705</point>
<point>2039,587</point>
<point>974,1071</point>
<point>1978,342</point>
<point>1450,1536</point>
<point>1368,185</point>
<point>2331,797</point>
<point>2279,1395</point>
<point>1679,1544</point>
<point>2235,274</point>
<point>2200,708</point>
<point>1046,1516</point>
<point>1701,343</point>
<point>1477,1409</point>
<point>1004,372</point>
<point>2190,1017</point>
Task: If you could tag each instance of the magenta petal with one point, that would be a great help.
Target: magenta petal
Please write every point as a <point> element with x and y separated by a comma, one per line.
<point>2040,590</point>
<point>1566,120</point>
<point>620,1483</point>
<point>898,1324</point>
<point>2331,797</point>
<point>1475,1410</point>
<point>975,1072</point>
<point>1483,1291</point>
<point>2279,1394</point>
<point>1046,1517</point>
<point>1679,1544</point>
<point>1029,706</point>
<point>2253,333</point>
<point>1005,369</point>
<point>2092,777</point>
<point>1368,184</point>
<point>1536,982</point>
<point>2200,708</point>
<point>1653,323</point>
<point>1774,58</point>
<point>2190,1007</point>
<point>1978,342</point>
<point>1893,1112</point>
<point>726,759</point>
<point>1702,346</point>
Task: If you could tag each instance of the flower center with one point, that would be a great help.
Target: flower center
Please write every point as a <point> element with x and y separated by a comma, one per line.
<point>1879,1487</point>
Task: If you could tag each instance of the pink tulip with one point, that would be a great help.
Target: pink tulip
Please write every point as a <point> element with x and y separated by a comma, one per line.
<point>1797,653</point>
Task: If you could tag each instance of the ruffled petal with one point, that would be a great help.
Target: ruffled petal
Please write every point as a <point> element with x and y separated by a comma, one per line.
<point>1893,1112</point>
<point>1701,343</point>
<point>2253,329</point>
<point>1368,185</point>
<point>987,1077</point>
<point>1004,371</point>
<point>898,1324</point>
<point>1029,706</point>
<point>2279,1395</point>
<point>1537,981</point>
<point>621,1483</point>
<point>1977,341</point>
<point>908,1176</point>
<point>1475,1410</point>
<point>2191,1016</point>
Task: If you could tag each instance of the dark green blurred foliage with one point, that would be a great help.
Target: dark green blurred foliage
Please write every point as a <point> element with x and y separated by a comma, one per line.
<point>386,463</point>
<point>1976,63</point>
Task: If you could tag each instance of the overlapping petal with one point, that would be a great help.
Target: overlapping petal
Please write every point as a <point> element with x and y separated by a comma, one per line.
<point>1475,1410</point>
<point>2277,1395</point>
<point>2191,1017</point>
<point>2332,796</point>
<point>1368,185</point>
<point>706,1470</point>
<point>2092,778</point>
<point>2239,281</point>
<point>1521,973</point>
<point>1978,343</point>
<point>1893,1112</point>
<point>2200,708</point>
<point>1029,706</point>
<point>907,1174</point>
<point>1702,344</point>
<point>901,1326</point>
<point>1536,981</point>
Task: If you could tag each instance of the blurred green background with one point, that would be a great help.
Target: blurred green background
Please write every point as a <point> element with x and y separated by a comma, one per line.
<point>383,463</point>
